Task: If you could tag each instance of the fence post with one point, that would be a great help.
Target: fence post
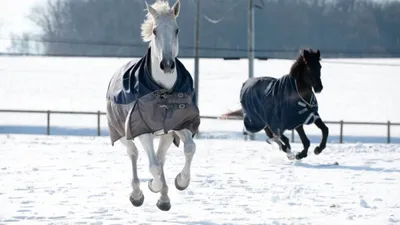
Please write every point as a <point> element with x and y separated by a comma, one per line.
<point>388,132</point>
<point>98,123</point>
<point>48,122</point>
<point>292,136</point>
<point>341,132</point>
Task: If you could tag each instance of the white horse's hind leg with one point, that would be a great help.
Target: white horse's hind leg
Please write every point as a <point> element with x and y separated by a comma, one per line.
<point>137,197</point>
<point>182,180</point>
<point>158,182</point>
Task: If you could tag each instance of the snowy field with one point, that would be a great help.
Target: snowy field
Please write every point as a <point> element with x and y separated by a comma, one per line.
<point>83,180</point>
<point>364,91</point>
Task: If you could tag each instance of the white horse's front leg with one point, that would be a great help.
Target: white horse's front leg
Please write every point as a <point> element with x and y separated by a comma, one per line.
<point>156,169</point>
<point>154,166</point>
<point>165,142</point>
<point>182,180</point>
<point>136,197</point>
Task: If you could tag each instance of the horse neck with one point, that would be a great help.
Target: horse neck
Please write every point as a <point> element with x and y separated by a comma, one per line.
<point>303,88</point>
<point>166,81</point>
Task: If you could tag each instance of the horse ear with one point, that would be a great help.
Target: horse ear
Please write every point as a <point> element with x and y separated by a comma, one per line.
<point>318,53</point>
<point>176,8</point>
<point>306,55</point>
<point>151,10</point>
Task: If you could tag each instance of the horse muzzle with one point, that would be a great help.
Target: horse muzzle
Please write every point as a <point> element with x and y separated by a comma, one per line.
<point>167,66</point>
<point>318,89</point>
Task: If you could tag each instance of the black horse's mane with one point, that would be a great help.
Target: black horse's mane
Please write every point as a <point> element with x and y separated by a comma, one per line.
<point>298,66</point>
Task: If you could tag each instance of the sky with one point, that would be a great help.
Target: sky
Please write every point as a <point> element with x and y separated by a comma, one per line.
<point>13,15</point>
<point>13,19</point>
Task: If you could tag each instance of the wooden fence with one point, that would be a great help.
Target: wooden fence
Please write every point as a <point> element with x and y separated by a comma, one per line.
<point>341,123</point>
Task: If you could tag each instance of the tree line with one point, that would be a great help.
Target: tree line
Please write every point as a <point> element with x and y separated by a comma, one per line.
<point>339,28</point>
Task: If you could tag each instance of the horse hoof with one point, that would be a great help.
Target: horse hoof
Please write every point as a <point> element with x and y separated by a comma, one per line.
<point>164,206</point>
<point>149,184</point>
<point>138,202</point>
<point>291,156</point>
<point>180,188</point>
<point>301,155</point>
<point>318,150</point>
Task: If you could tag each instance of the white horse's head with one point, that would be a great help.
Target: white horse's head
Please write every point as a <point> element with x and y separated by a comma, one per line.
<point>161,30</point>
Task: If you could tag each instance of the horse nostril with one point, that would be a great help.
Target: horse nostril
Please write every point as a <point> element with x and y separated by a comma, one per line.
<point>162,66</point>
<point>172,65</point>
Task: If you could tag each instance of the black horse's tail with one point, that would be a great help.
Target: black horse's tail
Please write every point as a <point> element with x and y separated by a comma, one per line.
<point>233,114</point>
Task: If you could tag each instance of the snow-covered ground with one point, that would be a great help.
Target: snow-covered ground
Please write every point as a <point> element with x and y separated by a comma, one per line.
<point>364,91</point>
<point>83,180</point>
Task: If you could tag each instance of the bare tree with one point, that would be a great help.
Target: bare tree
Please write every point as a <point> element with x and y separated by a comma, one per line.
<point>23,44</point>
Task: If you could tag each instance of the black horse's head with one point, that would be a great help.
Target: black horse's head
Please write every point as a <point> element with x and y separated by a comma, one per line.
<point>312,69</point>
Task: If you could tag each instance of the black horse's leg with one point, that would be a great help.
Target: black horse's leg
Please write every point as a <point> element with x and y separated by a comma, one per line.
<point>304,140</point>
<point>325,132</point>
<point>283,146</point>
<point>286,142</point>
<point>282,141</point>
<point>269,134</point>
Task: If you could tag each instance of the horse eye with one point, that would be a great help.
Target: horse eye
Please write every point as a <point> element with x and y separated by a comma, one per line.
<point>154,32</point>
<point>176,31</point>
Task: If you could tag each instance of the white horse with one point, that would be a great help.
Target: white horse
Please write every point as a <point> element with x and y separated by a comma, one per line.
<point>161,30</point>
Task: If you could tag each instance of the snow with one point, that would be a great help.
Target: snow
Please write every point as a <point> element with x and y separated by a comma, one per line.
<point>65,179</point>
<point>83,180</point>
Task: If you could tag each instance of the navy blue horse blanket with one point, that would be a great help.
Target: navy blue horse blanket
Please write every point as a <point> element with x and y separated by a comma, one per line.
<point>136,104</point>
<point>276,103</point>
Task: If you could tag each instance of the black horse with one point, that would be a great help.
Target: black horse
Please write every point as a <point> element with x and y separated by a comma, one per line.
<point>275,105</point>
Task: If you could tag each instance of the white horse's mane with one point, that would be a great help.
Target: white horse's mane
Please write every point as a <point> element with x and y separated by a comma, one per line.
<point>163,8</point>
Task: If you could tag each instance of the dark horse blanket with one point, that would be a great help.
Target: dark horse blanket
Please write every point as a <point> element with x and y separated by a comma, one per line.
<point>136,104</point>
<point>275,103</point>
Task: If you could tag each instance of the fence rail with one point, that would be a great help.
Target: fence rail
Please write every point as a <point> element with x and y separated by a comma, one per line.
<point>99,114</point>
